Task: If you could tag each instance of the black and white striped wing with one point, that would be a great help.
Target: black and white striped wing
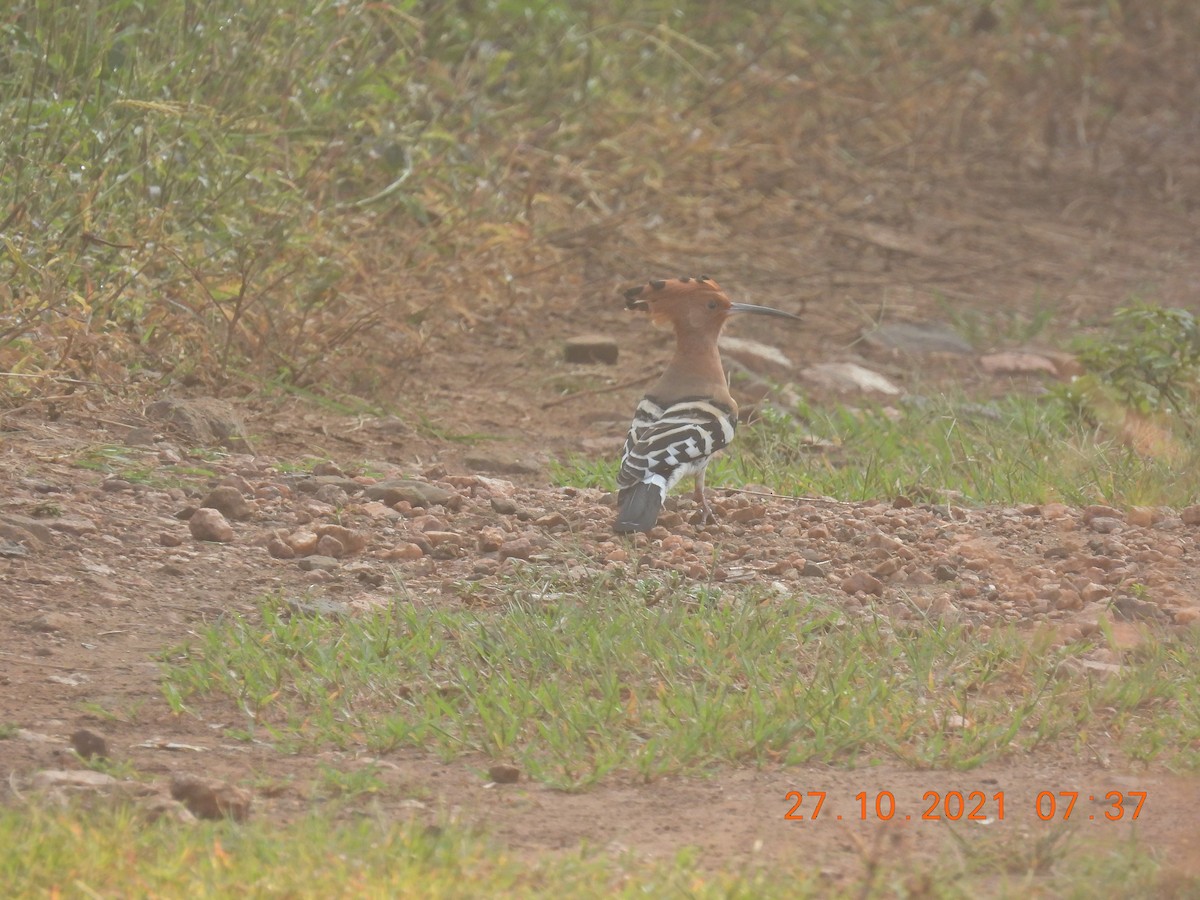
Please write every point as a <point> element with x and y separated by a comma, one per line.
<point>667,444</point>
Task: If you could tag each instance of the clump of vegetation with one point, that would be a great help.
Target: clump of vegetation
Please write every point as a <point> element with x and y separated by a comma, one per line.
<point>311,194</point>
<point>116,852</point>
<point>1141,389</point>
<point>1122,432</point>
<point>1149,360</point>
<point>577,681</point>
<point>1021,449</point>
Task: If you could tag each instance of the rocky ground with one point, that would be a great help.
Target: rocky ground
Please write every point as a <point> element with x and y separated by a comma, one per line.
<point>119,538</point>
<point>129,520</point>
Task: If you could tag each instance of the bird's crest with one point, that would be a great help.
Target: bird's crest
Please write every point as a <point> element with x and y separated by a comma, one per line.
<point>645,296</point>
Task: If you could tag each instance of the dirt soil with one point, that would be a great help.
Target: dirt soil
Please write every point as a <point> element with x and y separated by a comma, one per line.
<point>99,572</point>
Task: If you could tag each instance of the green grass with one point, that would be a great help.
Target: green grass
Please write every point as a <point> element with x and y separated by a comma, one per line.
<point>305,196</point>
<point>1018,449</point>
<point>86,853</point>
<point>128,713</point>
<point>363,780</point>
<point>143,467</point>
<point>577,682</point>
<point>1015,450</point>
<point>110,853</point>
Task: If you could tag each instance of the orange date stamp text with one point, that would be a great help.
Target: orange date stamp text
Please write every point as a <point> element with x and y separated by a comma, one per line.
<point>971,806</point>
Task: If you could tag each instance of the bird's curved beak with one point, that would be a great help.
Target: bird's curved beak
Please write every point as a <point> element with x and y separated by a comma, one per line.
<point>761,310</point>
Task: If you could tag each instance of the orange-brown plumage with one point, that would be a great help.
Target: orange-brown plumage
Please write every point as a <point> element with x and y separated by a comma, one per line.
<point>689,413</point>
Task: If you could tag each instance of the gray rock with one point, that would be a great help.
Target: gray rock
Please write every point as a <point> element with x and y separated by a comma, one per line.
<point>140,437</point>
<point>814,569</point>
<point>945,572</point>
<point>332,494</point>
<point>1132,609</point>
<point>849,377</point>
<point>35,737</point>
<point>317,482</point>
<point>320,607</point>
<point>760,358</point>
<point>11,549</point>
<point>318,563</point>
<point>73,525</point>
<point>1017,362</point>
<point>328,545</point>
<point>80,778</point>
<point>393,426</point>
<point>50,622</point>
<point>38,486</point>
<point>1105,524</point>
<point>503,465</point>
<point>418,493</point>
<point>203,421</point>
<point>916,337</point>
<point>366,573</point>
<point>24,529</point>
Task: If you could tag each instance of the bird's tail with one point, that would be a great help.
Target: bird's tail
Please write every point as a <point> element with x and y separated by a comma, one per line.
<point>638,508</point>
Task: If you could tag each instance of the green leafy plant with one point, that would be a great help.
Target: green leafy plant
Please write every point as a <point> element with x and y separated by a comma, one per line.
<point>1150,358</point>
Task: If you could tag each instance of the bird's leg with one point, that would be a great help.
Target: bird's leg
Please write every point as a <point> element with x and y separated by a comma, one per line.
<point>706,516</point>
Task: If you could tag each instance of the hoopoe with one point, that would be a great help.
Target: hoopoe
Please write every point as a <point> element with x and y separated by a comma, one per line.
<point>689,414</point>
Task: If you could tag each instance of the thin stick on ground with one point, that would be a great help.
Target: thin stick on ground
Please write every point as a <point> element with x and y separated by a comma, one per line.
<point>641,379</point>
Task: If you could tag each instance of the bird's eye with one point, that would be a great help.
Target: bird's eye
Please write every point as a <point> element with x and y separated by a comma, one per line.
<point>712,304</point>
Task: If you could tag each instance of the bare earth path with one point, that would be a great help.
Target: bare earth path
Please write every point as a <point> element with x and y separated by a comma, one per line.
<point>99,575</point>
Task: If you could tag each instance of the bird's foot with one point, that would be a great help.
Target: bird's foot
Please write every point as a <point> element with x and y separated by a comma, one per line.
<point>705,516</point>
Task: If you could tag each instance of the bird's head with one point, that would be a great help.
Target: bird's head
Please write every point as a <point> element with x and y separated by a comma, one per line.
<point>691,303</point>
